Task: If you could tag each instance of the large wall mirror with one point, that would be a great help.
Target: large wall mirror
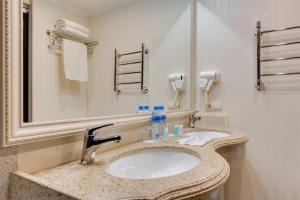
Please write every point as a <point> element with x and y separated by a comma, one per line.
<point>83,61</point>
<point>87,58</point>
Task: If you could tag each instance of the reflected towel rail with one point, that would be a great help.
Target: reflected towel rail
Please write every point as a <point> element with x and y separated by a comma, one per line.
<point>141,71</point>
<point>129,63</point>
<point>259,33</point>
<point>127,73</point>
<point>129,83</point>
<point>131,53</point>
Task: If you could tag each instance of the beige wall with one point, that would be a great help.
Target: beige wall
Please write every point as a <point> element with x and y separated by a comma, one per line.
<point>226,42</point>
<point>54,97</point>
<point>165,28</point>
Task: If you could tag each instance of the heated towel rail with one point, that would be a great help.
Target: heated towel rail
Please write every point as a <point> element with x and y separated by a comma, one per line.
<point>119,64</point>
<point>259,34</point>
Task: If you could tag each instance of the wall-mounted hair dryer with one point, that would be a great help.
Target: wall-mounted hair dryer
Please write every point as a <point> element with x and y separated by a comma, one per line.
<point>177,83</point>
<point>207,79</point>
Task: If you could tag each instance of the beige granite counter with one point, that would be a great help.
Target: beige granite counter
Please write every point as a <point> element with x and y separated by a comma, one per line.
<point>75,181</point>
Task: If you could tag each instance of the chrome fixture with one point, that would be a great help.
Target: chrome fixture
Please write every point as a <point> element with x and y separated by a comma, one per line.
<point>141,72</point>
<point>56,36</point>
<point>91,144</point>
<point>259,34</point>
<point>193,118</point>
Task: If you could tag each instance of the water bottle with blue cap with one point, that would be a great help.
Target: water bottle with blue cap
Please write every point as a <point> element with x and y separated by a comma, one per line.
<point>156,127</point>
<point>164,126</point>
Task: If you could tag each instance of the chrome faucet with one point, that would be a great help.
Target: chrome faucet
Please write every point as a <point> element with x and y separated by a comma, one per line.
<point>193,119</point>
<point>91,144</point>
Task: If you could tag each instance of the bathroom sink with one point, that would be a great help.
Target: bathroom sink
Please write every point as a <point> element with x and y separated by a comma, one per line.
<point>153,164</point>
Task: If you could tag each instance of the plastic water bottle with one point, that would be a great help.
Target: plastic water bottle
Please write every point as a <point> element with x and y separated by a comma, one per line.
<point>156,127</point>
<point>156,111</point>
<point>159,123</point>
<point>164,126</point>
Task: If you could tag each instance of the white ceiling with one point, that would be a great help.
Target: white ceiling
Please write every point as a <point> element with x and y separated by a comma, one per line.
<point>91,8</point>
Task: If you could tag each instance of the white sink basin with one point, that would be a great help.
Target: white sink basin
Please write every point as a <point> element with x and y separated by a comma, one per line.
<point>153,164</point>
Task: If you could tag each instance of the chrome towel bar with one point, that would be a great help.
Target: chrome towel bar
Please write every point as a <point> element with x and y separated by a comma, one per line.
<point>259,34</point>
<point>279,29</point>
<point>280,44</point>
<point>276,59</point>
<point>140,71</point>
<point>280,74</point>
<point>129,63</point>
<point>55,38</point>
<point>126,73</point>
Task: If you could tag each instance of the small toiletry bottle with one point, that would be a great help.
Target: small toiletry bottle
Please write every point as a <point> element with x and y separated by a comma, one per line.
<point>166,133</point>
<point>175,130</point>
<point>180,130</point>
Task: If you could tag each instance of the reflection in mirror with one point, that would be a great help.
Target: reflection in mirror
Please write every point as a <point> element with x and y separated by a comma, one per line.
<point>94,58</point>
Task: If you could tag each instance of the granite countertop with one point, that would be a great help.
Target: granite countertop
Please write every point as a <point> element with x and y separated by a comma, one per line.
<point>93,182</point>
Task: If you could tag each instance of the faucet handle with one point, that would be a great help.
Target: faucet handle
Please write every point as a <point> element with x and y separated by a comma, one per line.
<point>91,132</point>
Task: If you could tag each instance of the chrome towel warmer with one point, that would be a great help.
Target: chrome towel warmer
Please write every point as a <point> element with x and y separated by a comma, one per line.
<point>120,64</point>
<point>259,34</point>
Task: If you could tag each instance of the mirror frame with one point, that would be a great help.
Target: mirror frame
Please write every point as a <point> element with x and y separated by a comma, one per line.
<point>14,131</point>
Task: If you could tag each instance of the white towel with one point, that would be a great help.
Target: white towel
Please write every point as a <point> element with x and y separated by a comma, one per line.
<point>72,31</point>
<point>194,140</point>
<point>64,23</point>
<point>75,60</point>
<point>201,138</point>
